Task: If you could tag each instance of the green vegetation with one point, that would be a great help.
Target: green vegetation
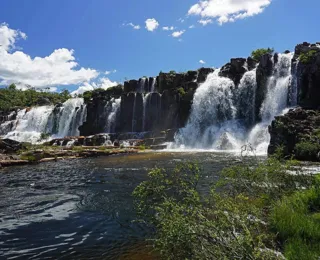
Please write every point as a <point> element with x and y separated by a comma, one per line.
<point>181,91</point>
<point>307,56</point>
<point>248,214</point>
<point>296,220</point>
<point>307,150</point>
<point>257,54</point>
<point>44,136</point>
<point>12,97</point>
<point>102,94</point>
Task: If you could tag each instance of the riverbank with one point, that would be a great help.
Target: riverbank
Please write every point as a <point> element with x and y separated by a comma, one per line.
<point>41,154</point>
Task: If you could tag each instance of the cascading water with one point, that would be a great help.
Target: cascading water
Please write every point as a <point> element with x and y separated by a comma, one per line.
<point>30,124</point>
<point>222,115</point>
<point>114,105</point>
<point>275,103</point>
<point>153,86</point>
<point>145,101</point>
<point>59,121</point>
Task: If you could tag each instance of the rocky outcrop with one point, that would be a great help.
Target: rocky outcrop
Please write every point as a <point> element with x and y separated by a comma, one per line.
<point>264,71</point>
<point>306,63</point>
<point>297,126</point>
<point>234,70</point>
<point>9,146</point>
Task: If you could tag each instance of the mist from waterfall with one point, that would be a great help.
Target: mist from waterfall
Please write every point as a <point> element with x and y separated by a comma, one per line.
<point>223,116</point>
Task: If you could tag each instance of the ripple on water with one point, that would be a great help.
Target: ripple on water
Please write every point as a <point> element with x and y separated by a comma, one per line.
<point>82,209</point>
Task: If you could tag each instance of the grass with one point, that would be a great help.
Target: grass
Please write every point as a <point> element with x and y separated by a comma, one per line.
<point>296,220</point>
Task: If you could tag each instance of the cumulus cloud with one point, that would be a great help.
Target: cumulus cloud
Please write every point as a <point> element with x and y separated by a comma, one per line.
<point>8,37</point>
<point>58,68</point>
<point>178,33</point>
<point>103,83</point>
<point>202,62</point>
<point>205,22</point>
<point>167,28</point>
<point>151,24</point>
<point>228,10</point>
<point>134,26</point>
<point>191,26</point>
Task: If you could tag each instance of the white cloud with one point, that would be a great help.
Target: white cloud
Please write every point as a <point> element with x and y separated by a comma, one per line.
<point>191,26</point>
<point>202,62</point>
<point>103,83</point>
<point>151,24</point>
<point>8,37</point>
<point>178,33</point>
<point>228,10</point>
<point>181,20</point>
<point>59,68</point>
<point>86,87</point>
<point>110,71</point>
<point>167,28</point>
<point>134,26</point>
<point>205,22</point>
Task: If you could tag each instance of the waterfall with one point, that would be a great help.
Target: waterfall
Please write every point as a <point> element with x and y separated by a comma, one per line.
<point>134,113</point>
<point>145,101</point>
<point>153,86</point>
<point>112,115</point>
<point>30,124</point>
<point>275,103</point>
<point>222,115</point>
<point>60,121</point>
<point>68,121</point>
<point>142,83</point>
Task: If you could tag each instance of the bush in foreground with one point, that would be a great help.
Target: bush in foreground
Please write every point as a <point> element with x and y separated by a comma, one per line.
<point>233,221</point>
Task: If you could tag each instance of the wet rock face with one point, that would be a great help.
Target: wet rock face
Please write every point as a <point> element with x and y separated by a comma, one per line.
<point>264,71</point>
<point>203,73</point>
<point>289,130</point>
<point>234,70</point>
<point>307,64</point>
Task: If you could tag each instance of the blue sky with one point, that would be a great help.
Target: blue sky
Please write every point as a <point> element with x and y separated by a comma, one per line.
<point>99,33</point>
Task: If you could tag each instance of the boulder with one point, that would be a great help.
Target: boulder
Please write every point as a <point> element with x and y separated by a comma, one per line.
<point>203,73</point>
<point>234,70</point>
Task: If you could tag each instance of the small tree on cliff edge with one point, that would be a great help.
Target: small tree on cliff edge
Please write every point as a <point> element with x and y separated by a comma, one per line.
<point>257,54</point>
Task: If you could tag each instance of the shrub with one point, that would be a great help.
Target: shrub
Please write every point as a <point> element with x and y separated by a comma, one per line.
<point>44,136</point>
<point>231,222</point>
<point>257,54</point>
<point>307,150</point>
<point>181,91</point>
<point>308,56</point>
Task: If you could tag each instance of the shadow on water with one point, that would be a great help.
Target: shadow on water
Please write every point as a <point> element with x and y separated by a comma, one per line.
<point>82,209</point>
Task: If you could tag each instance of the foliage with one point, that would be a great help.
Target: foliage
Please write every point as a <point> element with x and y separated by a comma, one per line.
<point>12,97</point>
<point>142,147</point>
<point>44,136</point>
<point>257,54</point>
<point>307,57</point>
<point>307,150</point>
<point>232,222</point>
<point>181,91</point>
<point>103,94</point>
<point>296,220</point>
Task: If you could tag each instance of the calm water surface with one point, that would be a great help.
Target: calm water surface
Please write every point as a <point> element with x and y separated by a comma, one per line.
<point>82,209</point>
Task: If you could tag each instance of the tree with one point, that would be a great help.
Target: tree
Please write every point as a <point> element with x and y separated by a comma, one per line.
<point>257,54</point>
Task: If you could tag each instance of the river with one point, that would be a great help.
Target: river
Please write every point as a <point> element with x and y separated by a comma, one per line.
<point>82,209</point>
